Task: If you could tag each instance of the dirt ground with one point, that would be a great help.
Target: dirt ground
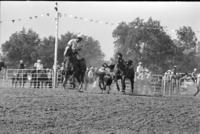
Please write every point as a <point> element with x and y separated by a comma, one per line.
<point>55,111</point>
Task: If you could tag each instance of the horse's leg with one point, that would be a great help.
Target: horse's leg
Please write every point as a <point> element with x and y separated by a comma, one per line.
<point>132,84</point>
<point>109,89</point>
<point>100,85</point>
<point>123,84</point>
<point>117,85</point>
<point>65,81</point>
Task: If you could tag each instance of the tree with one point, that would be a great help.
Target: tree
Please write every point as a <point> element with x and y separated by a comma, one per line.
<point>27,45</point>
<point>145,41</point>
<point>187,37</point>
<point>21,45</point>
<point>186,45</point>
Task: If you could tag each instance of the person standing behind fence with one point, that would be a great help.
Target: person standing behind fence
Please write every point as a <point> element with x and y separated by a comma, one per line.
<point>139,69</point>
<point>21,66</point>
<point>39,67</point>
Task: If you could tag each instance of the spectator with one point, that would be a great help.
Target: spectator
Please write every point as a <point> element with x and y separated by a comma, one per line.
<point>38,65</point>
<point>21,65</point>
<point>139,68</point>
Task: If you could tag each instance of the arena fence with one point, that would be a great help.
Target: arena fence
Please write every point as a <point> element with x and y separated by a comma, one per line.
<point>29,78</point>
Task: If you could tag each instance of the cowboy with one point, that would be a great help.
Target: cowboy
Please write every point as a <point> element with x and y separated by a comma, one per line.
<point>102,69</point>
<point>71,51</point>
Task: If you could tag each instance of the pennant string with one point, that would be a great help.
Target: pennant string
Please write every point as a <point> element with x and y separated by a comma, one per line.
<point>86,20</point>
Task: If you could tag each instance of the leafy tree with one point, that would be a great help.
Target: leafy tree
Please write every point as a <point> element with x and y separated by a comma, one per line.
<point>145,41</point>
<point>21,45</point>
<point>27,45</point>
<point>186,37</point>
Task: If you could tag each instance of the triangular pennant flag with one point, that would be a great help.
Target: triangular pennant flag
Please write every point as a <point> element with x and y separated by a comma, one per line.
<point>30,17</point>
<point>75,17</point>
<point>42,15</point>
<point>80,18</point>
<point>19,19</point>
<point>36,17</point>
<point>48,14</point>
<point>96,21</point>
<point>70,16</point>
<point>106,23</point>
<point>0,21</point>
<point>91,20</point>
<point>13,21</point>
<point>65,14</point>
<point>56,8</point>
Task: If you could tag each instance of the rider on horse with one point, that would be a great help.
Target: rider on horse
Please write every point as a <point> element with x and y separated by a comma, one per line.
<point>71,52</point>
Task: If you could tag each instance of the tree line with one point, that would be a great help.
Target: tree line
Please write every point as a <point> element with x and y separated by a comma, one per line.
<point>139,40</point>
<point>148,42</point>
<point>26,45</point>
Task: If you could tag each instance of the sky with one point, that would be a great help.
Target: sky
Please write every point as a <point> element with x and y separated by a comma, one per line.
<point>173,15</point>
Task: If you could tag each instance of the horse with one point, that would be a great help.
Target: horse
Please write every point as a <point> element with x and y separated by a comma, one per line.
<point>124,71</point>
<point>76,70</point>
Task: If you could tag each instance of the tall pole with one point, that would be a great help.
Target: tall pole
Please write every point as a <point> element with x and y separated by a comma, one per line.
<point>56,46</point>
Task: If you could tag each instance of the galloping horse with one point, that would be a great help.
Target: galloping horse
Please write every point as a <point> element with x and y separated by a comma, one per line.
<point>74,68</point>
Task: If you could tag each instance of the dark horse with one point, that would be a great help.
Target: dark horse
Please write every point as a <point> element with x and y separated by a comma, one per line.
<point>124,70</point>
<point>75,68</point>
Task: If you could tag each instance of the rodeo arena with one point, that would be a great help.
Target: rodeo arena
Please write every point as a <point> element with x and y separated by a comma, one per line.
<point>144,82</point>
<point>114,98</point>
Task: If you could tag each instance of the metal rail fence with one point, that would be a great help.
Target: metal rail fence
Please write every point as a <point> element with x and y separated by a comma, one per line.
<point>29,78</point>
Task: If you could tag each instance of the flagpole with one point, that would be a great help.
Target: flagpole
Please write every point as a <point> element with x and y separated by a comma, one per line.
<point>56,46</point>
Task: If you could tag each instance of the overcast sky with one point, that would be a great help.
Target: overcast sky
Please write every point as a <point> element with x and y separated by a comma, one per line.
<point>170,14</point>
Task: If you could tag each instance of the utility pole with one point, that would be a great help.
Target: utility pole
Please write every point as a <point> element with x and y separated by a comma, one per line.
<point>56,47</point>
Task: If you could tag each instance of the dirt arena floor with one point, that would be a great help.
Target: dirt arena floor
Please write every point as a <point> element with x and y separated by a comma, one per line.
<point>55,111</point>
